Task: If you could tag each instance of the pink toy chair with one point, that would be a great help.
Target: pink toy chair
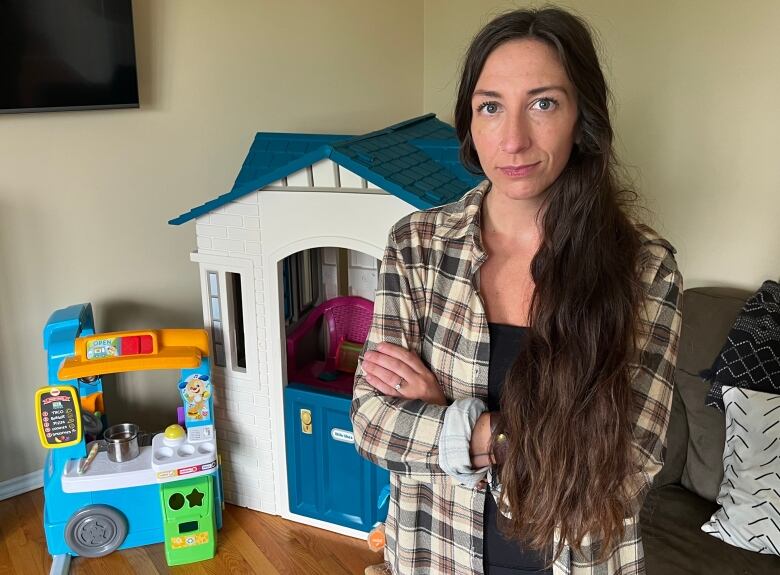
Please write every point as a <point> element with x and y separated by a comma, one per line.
<point>348,320</point>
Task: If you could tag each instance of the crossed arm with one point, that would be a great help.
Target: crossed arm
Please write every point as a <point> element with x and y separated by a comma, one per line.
<point>397,372</point>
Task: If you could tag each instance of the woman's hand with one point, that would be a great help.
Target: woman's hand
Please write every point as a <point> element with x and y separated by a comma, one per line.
<point>398,372</point>
<point>479,448</point>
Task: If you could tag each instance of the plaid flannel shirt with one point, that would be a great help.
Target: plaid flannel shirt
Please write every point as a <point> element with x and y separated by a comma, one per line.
<point>426,301</point>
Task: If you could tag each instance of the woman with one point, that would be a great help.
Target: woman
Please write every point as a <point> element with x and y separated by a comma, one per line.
<point>525,337</point>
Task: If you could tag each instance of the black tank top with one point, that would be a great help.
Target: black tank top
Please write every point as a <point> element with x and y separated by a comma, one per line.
<point>504,556</point>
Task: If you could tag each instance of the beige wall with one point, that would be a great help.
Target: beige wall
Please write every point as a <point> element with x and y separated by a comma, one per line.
<point>696,85</point>
<point>85,196</point>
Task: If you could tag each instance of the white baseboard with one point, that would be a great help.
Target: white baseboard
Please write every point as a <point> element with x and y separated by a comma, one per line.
<point>22,484</point>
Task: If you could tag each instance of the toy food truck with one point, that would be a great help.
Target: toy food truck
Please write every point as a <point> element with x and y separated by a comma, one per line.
<point>105,486</point>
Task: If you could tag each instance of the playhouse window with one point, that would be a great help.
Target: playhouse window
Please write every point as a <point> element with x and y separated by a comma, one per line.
<point>238,347</point>
<point>302,273</point>
<point>215,311</point>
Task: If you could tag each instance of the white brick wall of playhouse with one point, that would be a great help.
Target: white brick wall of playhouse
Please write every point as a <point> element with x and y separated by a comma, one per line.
<point>242,407</point>
<point>232,234</point>
<point>233,229</point>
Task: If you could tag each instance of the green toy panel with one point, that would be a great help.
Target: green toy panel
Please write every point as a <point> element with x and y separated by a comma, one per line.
<point>188,520</point>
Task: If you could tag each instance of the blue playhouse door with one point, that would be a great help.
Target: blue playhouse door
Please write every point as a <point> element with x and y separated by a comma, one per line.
<point>326,477</point>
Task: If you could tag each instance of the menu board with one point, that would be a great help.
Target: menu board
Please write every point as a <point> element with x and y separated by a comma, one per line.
<point>58,415</point>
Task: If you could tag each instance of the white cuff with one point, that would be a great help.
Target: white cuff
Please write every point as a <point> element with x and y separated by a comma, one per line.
<point>454,453</point>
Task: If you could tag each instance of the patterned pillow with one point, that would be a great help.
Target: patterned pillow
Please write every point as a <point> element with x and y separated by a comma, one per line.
<point>750,492</point>
<point>750,358</point>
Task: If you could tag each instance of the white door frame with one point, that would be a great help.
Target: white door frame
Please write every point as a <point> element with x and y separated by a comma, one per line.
<point>277,375</point>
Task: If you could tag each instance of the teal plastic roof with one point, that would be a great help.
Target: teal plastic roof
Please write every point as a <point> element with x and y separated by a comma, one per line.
<point>416,160</point>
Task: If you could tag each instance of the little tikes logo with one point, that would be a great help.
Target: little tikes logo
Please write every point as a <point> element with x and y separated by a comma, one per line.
<point>342,435</point>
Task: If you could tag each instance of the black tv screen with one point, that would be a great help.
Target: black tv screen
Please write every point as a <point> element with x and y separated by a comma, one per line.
<point>66,55</point>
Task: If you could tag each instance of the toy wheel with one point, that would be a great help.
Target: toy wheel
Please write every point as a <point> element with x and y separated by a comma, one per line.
<point>95,530</point>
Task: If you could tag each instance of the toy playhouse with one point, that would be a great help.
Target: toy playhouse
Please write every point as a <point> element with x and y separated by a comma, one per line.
<point>288,267</point>
<point>107,485</point>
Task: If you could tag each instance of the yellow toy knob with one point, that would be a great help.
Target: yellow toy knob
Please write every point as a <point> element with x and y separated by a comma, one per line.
<point>174,431</point>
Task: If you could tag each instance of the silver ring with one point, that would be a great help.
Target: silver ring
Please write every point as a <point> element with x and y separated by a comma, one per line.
<point>398,385</point>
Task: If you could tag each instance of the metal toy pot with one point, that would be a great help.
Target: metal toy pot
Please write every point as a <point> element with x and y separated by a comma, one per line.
<point>122,442</point>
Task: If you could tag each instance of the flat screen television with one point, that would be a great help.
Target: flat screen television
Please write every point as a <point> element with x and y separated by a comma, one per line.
<point>66,55</point>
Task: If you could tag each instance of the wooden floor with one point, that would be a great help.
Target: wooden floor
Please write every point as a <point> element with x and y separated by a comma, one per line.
<point>249,542</point>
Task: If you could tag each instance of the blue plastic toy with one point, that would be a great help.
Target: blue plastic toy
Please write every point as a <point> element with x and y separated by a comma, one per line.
<point>108,494</point>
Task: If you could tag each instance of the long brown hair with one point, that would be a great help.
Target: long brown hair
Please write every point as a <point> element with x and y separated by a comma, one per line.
<point>567,400</point>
